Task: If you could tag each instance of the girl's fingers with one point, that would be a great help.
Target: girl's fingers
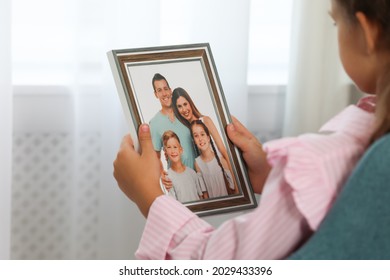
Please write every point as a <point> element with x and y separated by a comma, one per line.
<point>235,136</point>
<point>145,140</point>
<point>127,142</point>
<point>241,128</point>
<point>239,137</point>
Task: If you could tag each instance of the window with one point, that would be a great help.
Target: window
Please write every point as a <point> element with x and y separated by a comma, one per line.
<point>40,42</point>
<point>50,38</point>
<point>269,42</point>
<point>54,41</point>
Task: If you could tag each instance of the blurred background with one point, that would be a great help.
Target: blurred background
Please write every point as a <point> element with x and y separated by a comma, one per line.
<point>61,122</point>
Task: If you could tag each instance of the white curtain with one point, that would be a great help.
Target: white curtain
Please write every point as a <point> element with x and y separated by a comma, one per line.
<point>317,87</point>
<point>68,125</point>
<point>5,128</point>
<point>77,123</point>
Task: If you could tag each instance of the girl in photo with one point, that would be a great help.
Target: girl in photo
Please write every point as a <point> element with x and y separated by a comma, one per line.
<point>214,169</point>
<point>187,184</point>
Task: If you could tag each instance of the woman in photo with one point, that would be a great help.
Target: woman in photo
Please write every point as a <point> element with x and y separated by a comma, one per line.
<point>187,184</point>
<point>215,170</point>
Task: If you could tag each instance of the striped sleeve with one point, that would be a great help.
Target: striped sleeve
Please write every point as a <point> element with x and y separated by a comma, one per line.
<point>315,178</point>
<point>307,173</point>
<point>272,231</point>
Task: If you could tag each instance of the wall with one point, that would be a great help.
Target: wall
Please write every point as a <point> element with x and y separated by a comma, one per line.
<point>266,111</point>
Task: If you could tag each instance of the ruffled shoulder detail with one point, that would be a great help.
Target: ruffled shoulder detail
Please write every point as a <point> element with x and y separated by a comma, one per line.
<point>314,167</point>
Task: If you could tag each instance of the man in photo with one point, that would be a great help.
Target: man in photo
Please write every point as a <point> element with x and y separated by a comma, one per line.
<point>165,120</point>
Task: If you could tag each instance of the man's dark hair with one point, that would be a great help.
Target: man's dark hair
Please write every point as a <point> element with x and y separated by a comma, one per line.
<point>158,77</point>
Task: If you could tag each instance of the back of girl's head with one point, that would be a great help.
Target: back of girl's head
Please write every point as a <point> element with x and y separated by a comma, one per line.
<point>181,92</point>
<point>376,10</point>
<point>168,135</point>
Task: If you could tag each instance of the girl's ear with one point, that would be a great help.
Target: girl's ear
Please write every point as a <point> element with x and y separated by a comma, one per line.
<point>370,31</point>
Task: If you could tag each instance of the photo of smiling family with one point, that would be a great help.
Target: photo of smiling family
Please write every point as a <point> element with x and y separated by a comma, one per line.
<point>176,90</point>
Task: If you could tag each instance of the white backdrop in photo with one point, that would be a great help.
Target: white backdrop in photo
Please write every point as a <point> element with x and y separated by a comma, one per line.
<point>189,75</point>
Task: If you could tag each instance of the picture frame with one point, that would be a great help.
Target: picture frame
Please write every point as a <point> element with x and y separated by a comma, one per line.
<point>220,183</point>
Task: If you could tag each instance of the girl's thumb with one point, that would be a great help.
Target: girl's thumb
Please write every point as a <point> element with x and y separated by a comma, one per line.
<point>145,138</point>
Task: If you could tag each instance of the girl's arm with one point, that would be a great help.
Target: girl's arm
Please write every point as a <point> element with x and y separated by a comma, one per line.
<point>202,183</point>
<point>197,169</point>
<point>224,163</point>
<point>272,231</point>
<point>229,175</point>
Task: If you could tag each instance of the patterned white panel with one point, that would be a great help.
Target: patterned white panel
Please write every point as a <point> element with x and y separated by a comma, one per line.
<point>55,196</point>
<point>87,196</point>
<point>40,208</point>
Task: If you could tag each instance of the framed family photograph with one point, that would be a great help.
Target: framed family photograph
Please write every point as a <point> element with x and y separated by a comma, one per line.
<point>177,91</point>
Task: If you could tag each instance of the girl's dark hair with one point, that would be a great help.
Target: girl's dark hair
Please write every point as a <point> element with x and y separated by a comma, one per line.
<point>377,11</point>
<point>180,92</point>
<point>199,122</point>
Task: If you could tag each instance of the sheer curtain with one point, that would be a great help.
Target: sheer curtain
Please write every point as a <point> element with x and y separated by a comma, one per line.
<point>69,122</point>
<point>317,86</point>
<point>5,128</point>
<point>226,27</point>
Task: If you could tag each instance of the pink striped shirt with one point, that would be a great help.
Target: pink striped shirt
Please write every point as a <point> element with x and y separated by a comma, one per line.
<point>307,174</point>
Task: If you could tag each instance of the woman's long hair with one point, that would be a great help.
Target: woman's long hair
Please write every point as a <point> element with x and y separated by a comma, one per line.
<point>180,92</point>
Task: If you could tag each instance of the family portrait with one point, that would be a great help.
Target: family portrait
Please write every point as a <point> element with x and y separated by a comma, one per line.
<point>180,116</point>
<point>178,94</point>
